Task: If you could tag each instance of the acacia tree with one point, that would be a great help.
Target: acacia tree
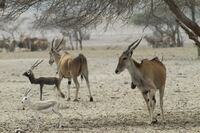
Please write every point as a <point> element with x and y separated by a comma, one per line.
<point>80,13</point>
<point>190,27</point>
<point>192,5</point>
<point>166,31</point>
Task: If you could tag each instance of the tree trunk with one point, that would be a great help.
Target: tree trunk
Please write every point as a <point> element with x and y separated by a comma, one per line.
<point>193,14</point>
<point>80,39</point>
<point>76,44</point>
<point>173,37</point>
<point>188,23</point>
<point>182,17</point>
<point>178,37</point>
<point>2,4</point>
<point>76,38</point>
<point>70,41</point>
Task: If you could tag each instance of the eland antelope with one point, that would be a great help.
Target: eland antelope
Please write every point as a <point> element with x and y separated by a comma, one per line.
<point>70,67</point>
<point>149,76</point>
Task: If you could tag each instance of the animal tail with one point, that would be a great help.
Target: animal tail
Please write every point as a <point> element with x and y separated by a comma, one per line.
<point>84,66</point>
<point>83,58</point>
<point>156,59</point>
<point>59,91</point>
<point>81,77</point>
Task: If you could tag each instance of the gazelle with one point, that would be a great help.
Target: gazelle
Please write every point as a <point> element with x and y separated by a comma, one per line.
<point>42,80</point>
<point>149,76</point>
<point>70,68</point>
<point>42,107</point>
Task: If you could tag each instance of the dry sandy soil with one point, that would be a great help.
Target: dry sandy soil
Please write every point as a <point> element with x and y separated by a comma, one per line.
<point>116,107</point>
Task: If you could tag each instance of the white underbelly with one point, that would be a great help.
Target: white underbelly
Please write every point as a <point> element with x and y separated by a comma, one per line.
<point>46,110</point>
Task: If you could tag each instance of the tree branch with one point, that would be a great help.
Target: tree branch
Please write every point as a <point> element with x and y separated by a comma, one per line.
<point>191,35</point>
<point>182,17</point>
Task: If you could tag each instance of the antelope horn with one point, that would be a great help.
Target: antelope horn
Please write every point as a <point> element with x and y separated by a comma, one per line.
<point>52,43</point>
<point>59,49</point>
<point>135,46</point>
<point>59,43</point>
<point>36,64</point>
<point>27,91</point>
<point>132,45</point>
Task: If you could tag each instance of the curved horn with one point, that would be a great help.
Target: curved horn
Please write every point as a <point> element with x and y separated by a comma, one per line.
<point>52,43</point>
<point>59,43</point>
<point>132,45</point>
<point>58,50</point>
<point>135,46</point>
<point>36,64</point>
<point>27,91</point>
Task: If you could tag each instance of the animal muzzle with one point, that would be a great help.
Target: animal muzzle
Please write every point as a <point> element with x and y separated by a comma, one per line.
<point>50,62</point>
<point>24,74</point>
<point>117,71</point>
<point>133,86</point>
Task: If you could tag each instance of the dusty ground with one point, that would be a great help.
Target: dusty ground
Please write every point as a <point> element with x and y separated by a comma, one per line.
<point>116,107</point>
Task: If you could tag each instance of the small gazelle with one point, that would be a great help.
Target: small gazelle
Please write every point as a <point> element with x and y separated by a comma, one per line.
<point>149,76</point>
<point>43,80</point>
<point>46,106</point>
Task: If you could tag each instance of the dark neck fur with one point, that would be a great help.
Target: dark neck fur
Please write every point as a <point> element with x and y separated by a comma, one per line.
<point>32,79</point>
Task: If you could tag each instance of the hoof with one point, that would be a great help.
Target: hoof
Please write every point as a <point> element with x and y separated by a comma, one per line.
<point>133,86</point>
<point>75,100</point>
<point>68,99</point>
<point>60,126</point>
<point>91,99</point>
<point>158,114</point>
<point>154,121</point>
<point>62,95</point>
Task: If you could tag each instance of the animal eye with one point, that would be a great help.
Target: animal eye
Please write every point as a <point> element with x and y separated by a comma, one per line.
<point>28,72</point>
<point>124,58</point>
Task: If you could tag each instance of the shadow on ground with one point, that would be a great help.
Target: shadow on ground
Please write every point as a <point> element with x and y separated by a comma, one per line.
<point>174,120</point>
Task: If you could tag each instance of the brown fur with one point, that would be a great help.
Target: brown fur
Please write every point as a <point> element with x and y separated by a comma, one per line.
<point>148,76</point>
<point>70,67</point>
<point>154,70</point>
<point>67,65</point>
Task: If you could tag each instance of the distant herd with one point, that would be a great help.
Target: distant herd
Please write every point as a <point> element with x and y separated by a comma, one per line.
<point>148,76</point>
